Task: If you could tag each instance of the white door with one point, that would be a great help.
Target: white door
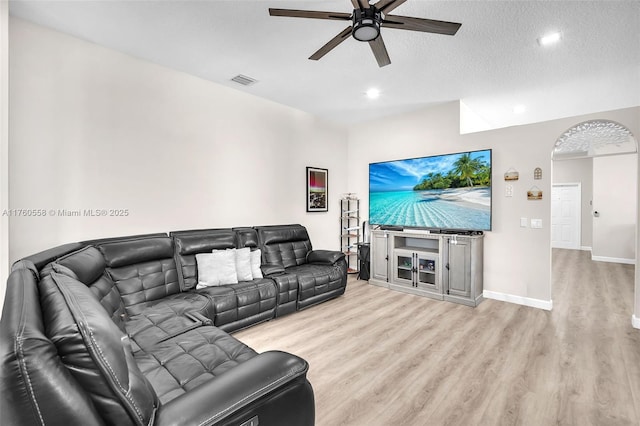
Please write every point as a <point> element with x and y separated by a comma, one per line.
<point>565,215</point>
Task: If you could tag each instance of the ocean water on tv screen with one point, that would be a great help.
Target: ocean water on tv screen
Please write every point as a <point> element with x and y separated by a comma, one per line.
<point>453,209</point>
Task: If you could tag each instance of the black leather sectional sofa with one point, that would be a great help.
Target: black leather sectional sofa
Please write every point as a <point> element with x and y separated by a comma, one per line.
<point>114,331</point>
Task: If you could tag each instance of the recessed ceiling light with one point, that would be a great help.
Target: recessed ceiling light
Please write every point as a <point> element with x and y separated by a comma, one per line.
<point>519,109</point>
<point>550,38</point>
<point>373,93</point>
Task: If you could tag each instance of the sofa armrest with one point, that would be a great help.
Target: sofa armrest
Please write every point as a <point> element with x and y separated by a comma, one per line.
<point>325,257</point>
<point>270,270</point>
<point>236,390</point>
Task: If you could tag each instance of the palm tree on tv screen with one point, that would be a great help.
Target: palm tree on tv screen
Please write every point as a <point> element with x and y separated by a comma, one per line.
<point>467,167</point>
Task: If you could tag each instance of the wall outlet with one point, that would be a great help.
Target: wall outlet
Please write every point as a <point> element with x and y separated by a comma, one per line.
<point>536,223</point>
<point>523,222</point>
<point>508,190</point>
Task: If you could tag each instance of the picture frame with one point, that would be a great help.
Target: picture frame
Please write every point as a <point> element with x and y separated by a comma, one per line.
<point>511,174</point>
<point>534,193</point>
<point>317,189</point>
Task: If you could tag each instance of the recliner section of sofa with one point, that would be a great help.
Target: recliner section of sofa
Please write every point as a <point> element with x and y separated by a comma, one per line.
<point>236,305</point>
<point>321,274</point>
<point>114,331</point>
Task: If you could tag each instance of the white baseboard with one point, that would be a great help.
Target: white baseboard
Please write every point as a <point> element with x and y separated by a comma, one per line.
<point>547,305</point>
<point>585,248</point>
<point>613,259</point>
<point>635,321</point>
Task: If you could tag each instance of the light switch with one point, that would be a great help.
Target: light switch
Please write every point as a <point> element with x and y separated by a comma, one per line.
<point>536,223</point>
<point>523,222</point>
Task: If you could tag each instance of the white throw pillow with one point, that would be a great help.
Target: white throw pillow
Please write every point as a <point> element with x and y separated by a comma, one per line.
<point>216,268</point>
<point>255,264</point>
<point>243,264</point>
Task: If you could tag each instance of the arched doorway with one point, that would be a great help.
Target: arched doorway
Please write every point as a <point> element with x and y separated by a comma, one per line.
<point>599,158</point>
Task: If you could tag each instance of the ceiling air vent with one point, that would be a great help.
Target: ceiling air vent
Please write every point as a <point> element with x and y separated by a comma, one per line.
<point>244,80</point>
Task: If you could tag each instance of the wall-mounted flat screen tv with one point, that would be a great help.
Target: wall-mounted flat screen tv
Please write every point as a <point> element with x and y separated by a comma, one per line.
<point>444,192</point>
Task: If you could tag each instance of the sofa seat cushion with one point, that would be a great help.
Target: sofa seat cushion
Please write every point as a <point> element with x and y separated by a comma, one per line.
<point>177,365</point>
<point>238,302</point>
<point>314,279</point>
<point>167,317</point>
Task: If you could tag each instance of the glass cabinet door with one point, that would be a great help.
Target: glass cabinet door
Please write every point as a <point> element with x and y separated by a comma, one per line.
<point>404,267</point>
<point>428,271</point>
<point>417,269</point>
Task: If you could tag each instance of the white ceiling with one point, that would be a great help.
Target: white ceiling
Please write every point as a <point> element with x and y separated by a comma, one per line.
<point>493,63</point>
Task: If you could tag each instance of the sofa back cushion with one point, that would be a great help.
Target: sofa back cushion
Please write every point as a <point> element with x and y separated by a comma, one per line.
<point>87,265</point>
<point>143,270</point>
<point>95,351</point>
<point>36,387</point>
<point>190,243</point>
<point>284,245</point>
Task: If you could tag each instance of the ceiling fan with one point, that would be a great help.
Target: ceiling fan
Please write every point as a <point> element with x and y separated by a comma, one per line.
<point>366,21</point>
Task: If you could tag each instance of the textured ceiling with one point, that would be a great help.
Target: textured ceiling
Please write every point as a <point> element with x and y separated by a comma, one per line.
<point>493,63</point>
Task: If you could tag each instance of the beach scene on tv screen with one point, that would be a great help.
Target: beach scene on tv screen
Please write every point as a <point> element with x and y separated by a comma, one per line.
<point>444,192</point>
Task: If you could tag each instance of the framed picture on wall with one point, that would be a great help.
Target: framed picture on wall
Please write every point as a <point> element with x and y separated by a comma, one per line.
<point>317,189</point>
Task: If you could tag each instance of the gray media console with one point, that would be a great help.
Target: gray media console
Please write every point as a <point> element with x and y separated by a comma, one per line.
<point>440,266</point>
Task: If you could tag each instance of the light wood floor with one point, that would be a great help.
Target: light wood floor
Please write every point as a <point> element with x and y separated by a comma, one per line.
<point>379,357</point>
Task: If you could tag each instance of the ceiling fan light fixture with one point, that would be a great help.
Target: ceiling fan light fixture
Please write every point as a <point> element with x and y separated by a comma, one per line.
<point>366,24</point>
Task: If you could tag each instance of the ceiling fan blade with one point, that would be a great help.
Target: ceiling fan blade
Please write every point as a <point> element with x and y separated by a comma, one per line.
<point>386,6</point>
<point>291,13</point>
<point>419,24</point>
<point>345,34</point>
<point>364,4</point>
<point>356,4</point>
<point>380,51</point>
